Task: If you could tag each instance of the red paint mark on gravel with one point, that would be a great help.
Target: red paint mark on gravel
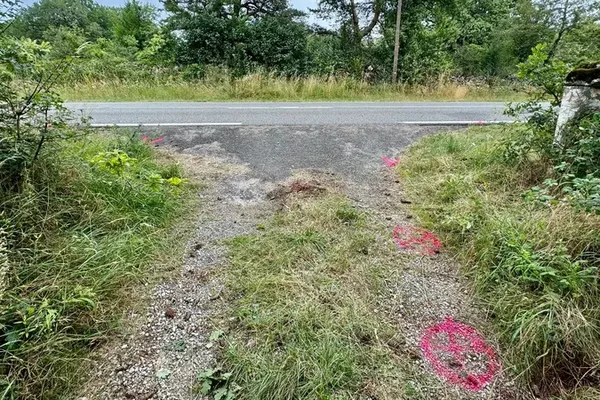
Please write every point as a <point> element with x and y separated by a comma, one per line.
<point>145,139</point>
<point>390,163</point>
<point>417,239</point>
<point>458,353</point>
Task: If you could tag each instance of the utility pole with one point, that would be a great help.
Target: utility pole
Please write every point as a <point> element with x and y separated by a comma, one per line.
<point>397,43</point>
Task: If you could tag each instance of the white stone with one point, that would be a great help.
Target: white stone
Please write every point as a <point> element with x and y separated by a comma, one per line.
<point>577,99</point>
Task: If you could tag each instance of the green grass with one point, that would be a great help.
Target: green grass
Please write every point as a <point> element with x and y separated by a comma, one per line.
<point>270,88</point>
<point>77,237</point>
<point>535,267</point>
<point>306,295</point>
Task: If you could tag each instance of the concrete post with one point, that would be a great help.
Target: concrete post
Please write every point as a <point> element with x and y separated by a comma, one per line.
<point>581,95</point>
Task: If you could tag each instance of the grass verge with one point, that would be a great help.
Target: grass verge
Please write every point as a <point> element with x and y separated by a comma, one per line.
<point>307,322</point>
<point>535,267</point>
<point>269,88</point>
<point>80,233</point>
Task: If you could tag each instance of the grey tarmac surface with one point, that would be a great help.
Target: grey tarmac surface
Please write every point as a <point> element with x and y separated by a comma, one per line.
<point>274,152</point>
<point>329,113</point>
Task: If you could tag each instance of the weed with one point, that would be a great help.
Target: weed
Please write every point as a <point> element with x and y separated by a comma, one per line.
<point>304,291</point>
<point>535,267</point>
<point>218,384</point>
<point>83,228</point>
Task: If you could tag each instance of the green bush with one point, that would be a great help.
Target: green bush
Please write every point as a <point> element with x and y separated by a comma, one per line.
<point>535,268</point>
<point>85,225</point>
<point>576,162</point>
<point>31,113</point>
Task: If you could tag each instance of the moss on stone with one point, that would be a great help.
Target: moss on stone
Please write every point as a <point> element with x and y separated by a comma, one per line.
<point>588,73</point>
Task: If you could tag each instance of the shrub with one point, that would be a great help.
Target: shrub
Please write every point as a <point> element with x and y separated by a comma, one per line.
<point>536,268</point>
<point>84,225</point>
<point>31,114</point>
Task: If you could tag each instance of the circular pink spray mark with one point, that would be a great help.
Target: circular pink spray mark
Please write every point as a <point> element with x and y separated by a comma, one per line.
<point>417,239</point>
<point>460,355</point>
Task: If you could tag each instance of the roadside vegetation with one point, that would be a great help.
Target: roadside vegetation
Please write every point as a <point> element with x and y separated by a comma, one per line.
<point>83,217</point>
<point>305,292</point>
<point>270,87</point>
<point>82,228</point>
<point>524,217</point>
<point>266,50</point>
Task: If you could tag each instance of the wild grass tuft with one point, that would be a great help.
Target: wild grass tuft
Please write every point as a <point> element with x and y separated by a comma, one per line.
<point>305,294</point>
<point>265,87</point>
<point>536,267</point>
<point>82,230</point>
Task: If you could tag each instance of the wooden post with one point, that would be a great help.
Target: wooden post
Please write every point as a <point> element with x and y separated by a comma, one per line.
<point>397,43</point>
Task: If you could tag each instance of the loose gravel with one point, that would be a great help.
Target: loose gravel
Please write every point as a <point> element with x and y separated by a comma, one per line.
<point>164,346</point>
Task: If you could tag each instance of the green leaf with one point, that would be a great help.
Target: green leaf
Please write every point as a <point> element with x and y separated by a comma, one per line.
<point>220,393</point>
<point>216,335</point>
<point>206,386</point>
<point>163,373</point>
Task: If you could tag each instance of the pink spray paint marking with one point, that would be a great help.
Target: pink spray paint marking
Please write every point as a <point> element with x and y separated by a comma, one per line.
<point>154,141</point>
<point>417,239</point>
<point>458,353</point>
<point>390,163</point>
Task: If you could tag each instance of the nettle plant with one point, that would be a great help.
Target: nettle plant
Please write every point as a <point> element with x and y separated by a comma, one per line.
<point>32,115</point>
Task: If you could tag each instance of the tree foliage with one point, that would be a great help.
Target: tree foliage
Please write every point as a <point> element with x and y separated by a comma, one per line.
<point>483,39</point>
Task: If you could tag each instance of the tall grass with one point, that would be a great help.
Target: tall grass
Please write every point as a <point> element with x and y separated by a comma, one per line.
<point>265,87</point>
<point>305,295</point>
<point>77,235</point>
<point>536,267</point>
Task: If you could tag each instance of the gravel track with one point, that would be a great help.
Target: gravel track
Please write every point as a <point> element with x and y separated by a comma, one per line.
<point>164,347</point>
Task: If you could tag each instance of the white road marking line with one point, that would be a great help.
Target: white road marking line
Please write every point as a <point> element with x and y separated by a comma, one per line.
<point>274,108</point>
<point>455,122</point>
<point>175,124</point>
<point>421,107</point>
<point>167,124</point>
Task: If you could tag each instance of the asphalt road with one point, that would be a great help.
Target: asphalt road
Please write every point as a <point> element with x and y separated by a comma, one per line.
<point>264,114</point>
<point>273,153</point>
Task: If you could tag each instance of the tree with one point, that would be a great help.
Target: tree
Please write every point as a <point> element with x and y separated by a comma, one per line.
<point>578,45</point>
<point>526,28</point>
<point>225,8</point>
<point>137,20</point>
<point>357,18</point>
<point>280,44</point>
<point>64,41</point>
<point>8,10</point>
<point>95,20</point>
<point>563,16</point>
<point>239,34</point>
